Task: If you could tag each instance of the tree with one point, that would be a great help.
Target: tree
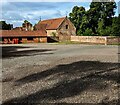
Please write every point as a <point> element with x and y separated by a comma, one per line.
<point>84,25</point>
<point>116,26</point>
<point>88,32</point>
<point>5,26</point>
<point>98,20</point>
<point>27,25</point>
<point>101,26</point>
<point>76,16</point>
<point>101,11</point>
<point>108,12</point>
<point>26,21</point>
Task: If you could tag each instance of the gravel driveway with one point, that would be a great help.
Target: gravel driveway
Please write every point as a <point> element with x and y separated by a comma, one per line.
<point>60,73</point>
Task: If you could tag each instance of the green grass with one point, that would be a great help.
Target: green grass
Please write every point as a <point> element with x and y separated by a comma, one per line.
<point>66,42</point>
<point>72,42</point>
<point>115,44</point>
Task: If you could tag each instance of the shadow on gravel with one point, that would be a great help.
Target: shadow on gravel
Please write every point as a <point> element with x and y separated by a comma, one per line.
<point>77,78</point>
<point>73,69</point>
<point>11,51</point>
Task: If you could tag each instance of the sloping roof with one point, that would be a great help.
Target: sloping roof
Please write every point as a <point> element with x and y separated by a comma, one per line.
<point>40,27</point>
<point>16,33</point>
<point>51,23</point>
<point>17,28</point>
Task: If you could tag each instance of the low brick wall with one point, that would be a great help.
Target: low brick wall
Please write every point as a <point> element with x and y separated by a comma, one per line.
<point>96,39</point>
<point>64,37</point>
<point>113,40</point>
<point>43,40</point>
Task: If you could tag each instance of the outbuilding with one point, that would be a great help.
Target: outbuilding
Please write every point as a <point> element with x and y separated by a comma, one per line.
<point>59,29</point>
<point>17,36</point>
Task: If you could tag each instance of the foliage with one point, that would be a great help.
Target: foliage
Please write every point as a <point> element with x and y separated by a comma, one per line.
<point>34,27</point>
<point>26,22</point>
<point>84,24</point>
<point>53,34</point>
<point>5,26</point>
<point>76,16</point>
<point>98,20</point>
<point>100,29</point>
<point>88,32</point>
<point>116,26</point>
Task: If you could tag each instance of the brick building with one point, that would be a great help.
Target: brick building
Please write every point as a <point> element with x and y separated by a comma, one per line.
<point>59,29</point>
<point>17,36</point>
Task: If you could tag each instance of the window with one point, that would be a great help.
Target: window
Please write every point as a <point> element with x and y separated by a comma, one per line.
<point>30,38</point>
<point>20,38</point>
<point>66,26</point>
<point>11,38</point>
<point>2,39</point>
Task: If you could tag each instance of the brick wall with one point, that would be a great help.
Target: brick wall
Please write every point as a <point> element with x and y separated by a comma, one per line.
<point>24,40</point>
<point>49,32</point>
<point>36,40</point>
<point>96,39</point>
<point>43,40</point>
<point>113,40</point>
<point>65,34</point>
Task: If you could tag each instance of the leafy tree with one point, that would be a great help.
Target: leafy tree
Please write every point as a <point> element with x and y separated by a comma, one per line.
<point>76,16</point>
<point>113,30</point>
<point>116,26</point>
<point>101,26</point>
<point>84,25</point>
<point>98,20</point>
<point>94,15</point>
<point>34,27</point>
<point>27,25</point>
<point>26,21</point>
<point>101,11</point>
<point>5,26</point>
<point>88,32</point>
<point>108,12</point>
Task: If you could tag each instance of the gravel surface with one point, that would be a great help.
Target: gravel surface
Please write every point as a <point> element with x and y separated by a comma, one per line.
<point>60,73</point>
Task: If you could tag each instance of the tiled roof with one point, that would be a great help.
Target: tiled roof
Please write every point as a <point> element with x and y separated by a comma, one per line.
<point>17,28</point>
<point>52,23</point>
<point>17,33</point>
<point>40,26</point>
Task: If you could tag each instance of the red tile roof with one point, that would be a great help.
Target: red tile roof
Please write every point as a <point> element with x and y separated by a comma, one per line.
<point>40,26</point>
<point>18,33</point>
<point>41,29</point>
<point>17,28</point>
<point>52,23</point>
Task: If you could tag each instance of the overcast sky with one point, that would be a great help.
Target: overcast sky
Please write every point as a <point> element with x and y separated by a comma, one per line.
<point>16,12</point>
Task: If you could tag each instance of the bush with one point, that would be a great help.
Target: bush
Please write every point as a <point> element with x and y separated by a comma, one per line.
<point>107,31</point>
<point>53,34</point>
<point>88,32</point>
<point>79,33</point>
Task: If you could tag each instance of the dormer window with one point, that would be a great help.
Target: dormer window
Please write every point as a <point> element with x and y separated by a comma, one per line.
<point>66,26</point>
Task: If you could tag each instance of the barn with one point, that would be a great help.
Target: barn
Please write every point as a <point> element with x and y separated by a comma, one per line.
<point>59,29</point>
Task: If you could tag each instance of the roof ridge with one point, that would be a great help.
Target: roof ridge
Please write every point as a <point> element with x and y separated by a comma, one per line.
<point>52,23</point>
<point>61,22</point>
<point>53,18</point>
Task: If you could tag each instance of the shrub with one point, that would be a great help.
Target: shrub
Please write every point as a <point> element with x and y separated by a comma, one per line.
<point>53,34</point>
<point>88,32</point>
